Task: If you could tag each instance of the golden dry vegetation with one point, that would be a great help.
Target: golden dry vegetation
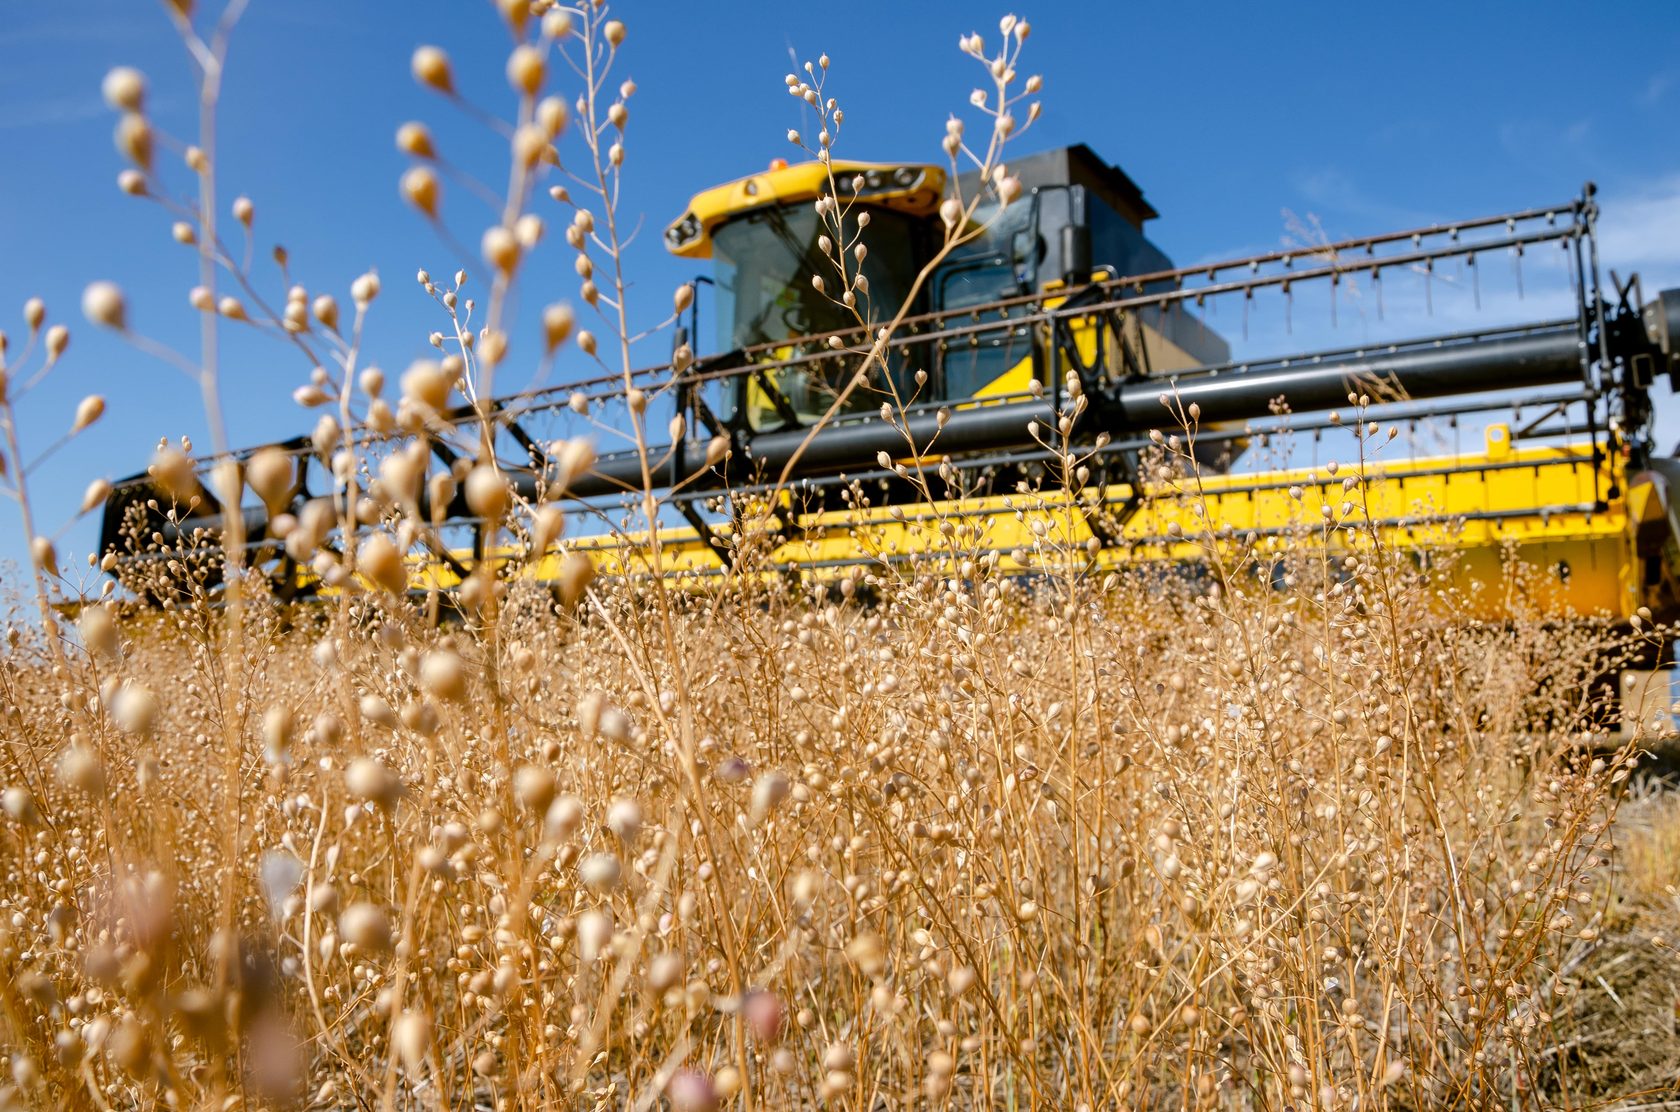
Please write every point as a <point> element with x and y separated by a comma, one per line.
<point>1274,832</point>
<point>963,842</point>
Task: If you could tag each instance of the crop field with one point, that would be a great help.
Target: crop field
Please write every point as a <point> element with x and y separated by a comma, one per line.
<point>1273,828</point>
<point>964,843</point>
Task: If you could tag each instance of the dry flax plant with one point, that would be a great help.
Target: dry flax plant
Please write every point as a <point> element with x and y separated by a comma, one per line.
<point>1274,830</point>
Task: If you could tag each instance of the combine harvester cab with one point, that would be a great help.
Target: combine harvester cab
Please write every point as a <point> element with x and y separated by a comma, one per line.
<point>971,337</point>
<point>1060,328</point>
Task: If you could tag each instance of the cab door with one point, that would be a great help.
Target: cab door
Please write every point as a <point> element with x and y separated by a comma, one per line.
<point>992,352</point>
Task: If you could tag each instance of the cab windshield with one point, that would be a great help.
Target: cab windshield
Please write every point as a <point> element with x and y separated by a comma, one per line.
<point>765,261</point>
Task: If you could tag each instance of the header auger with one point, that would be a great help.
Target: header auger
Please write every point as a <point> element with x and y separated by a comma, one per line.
<point>1062,298</point>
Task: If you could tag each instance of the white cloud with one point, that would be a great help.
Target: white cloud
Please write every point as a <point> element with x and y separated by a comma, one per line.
<point>1638,232</point>
<point>1639,229</point>
<point>48,113</point>
<point>1659,84</point>
<point>1329,187</point>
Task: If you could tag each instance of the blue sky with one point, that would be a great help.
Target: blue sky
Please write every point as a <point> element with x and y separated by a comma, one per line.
<point>1368,116</point>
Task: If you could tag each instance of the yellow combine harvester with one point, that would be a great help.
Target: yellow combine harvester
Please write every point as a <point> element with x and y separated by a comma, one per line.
<point>1062,296</point>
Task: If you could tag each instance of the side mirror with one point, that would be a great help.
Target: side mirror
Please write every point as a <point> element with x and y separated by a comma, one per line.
<point>1076,254</point>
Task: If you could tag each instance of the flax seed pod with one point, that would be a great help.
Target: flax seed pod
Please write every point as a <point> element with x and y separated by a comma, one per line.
<point>525,69</point>
<point>134,140</point>
<point>81,769</point>
<point>411,1036</point>
<point>95,495</point>
<point>419,188</point>
<point>415,139</point>
<point>552,117</point>
<point>765,1016</point>
<point>277,731</point>
<point>768,792</point>
<point>103,305</point>
<point>367,926</point>
<point>98,627</point>
<point>594,934</point>
<point>20,805</point>
<point>124,89</point>
<point>380,563</point>
<point>90,409</point>
<point>546,526</point>
<point>557,325</point>
<point>58,338</point>
<point>430,66</point>
<point>487,492</point>
<point>589,710</point>
<point>367,779</point>
<point>424,383</point>
<point>492,347</point>
<point>577,571</point>
<point>530,145</point>
<point>271,474</point>
<point>444,675</point>
<point>45,555</point>
<point>624,818</point>
<point>600,872</point>
<point>692,1091</point>
<point>516,12</point>
<point>664,972</point>
<point>326,436</point>
<point>440,490</point>
<point>500,248</point>
<point>533,787</point>
<point>575,458</point>
<point>563,818</point>
<point>364,289</point>
<point>557,23</point>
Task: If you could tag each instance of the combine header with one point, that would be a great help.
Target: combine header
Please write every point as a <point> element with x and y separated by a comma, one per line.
<point>1063,296</point>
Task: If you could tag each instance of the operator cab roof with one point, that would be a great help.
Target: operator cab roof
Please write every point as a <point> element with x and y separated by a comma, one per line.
<point>908,187</point>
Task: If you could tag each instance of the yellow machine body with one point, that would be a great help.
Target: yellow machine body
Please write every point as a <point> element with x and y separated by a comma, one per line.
<point>1514,530</point>
<point>1477,516</point>
<point>1557,530</point>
